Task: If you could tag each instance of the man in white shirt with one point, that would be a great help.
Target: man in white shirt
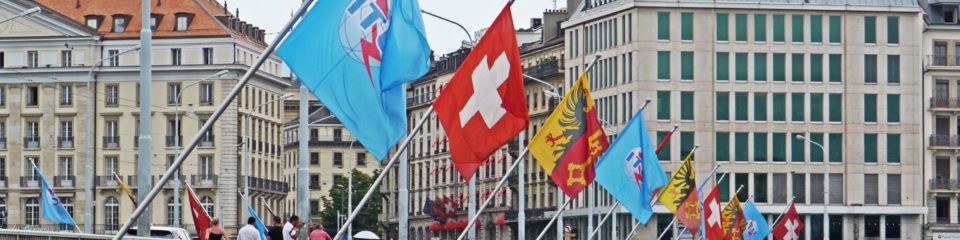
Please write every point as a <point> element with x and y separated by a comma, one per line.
<point>290,231</point>
<point>249,232</point>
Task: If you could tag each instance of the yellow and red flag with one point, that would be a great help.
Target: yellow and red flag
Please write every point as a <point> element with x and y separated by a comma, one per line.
<point>126,189</point>
<point>571,140</point>
<point>680,195</point>
<point>733,220</point>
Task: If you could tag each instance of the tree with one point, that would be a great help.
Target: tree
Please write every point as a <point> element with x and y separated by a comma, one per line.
<point>336,201</point>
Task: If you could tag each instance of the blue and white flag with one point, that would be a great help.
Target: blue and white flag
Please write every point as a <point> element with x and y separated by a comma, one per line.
<point>355,56</point>
<point>630,169</point>
<point>259,223</point>
<point>757,227</point>
<point>53,210</point>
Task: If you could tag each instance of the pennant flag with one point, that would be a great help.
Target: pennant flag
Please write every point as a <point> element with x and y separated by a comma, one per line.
<point>733,220</point>
<point>53,209</point>
<point>200,218</point>
<point>712,216</point>
<point>790,225</point>
<point>126,189</point>
<point>485,98</point>
<point>571,140</point>
<point>259,223</point>
<point>355,57</point>
<point>631,169</point>
<point>757,227</point>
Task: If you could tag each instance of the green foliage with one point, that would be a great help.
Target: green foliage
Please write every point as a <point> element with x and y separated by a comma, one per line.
<point>336,201</point>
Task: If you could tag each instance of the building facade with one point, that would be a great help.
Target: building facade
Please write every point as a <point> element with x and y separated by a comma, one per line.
<point>45,60</point>
<point>743,79</point>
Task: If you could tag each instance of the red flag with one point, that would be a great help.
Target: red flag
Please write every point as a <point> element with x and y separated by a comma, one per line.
<point>711,215</point>
<point>790,225</point>
<point>689,212</point>
<point>200,218</point>
<point>485,98</point>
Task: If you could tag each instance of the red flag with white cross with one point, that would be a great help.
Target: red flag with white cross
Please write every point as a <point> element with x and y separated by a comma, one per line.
<point>790,225</point>
<point>483,106</point>
<point>712,216</point>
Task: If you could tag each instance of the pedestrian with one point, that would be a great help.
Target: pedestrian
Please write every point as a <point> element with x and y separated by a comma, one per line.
<point>319,234</point>
<point>215,232</point>
<point>290,230</point>
<point>249,232</point>
<point>275,231</point>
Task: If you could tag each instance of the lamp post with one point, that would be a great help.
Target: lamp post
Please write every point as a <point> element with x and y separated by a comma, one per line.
<point>176,146</point>
<point>826,178</point>
<point>22,14</point>
<point>246,149</point>
<point>88,165</point>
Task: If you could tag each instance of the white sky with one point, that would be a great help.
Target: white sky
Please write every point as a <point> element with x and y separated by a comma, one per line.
<point>443,37</point>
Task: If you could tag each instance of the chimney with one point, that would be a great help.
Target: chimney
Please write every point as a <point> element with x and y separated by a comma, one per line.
<point>225,9</point>
<point>238,13</point>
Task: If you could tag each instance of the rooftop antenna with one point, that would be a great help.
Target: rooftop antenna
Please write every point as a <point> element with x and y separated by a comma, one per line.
<point>554,4</point>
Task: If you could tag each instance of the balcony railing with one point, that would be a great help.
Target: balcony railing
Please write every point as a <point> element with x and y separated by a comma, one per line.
<point>944,102</point>
<point>31,142</point>
<point>543,69</point>
<point>943,140</point>
<point>202,181</point>
<point>65,142</point>
<point>111,142</point>
<point>107,181</point>
<point>29,182</point>
<point>268,185</point>
<point>943,60</point>
<point>944,184</point>
<point>64,181</point>
<point>207,140</point>
<point>173,141</point>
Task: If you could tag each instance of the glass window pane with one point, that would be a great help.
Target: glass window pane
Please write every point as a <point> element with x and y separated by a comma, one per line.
<point>686,65</point>
<point>760,147</point>
<point>797,148</point>
<point>760,27</point>
<point>663,25</point>
<point>893,148</point>
<point>816,155</point>
<point>816,67</point>
<point>760,67</point>
<point>723,146</point>
<point>893,108</point>
<point>760,187</point>
<point>665,154</point>
<point>741,21</point>
<point>723,106</point>
<point>799,188</point>
<point>778,25</point>
<point>870,108</point>
<point>663,65</point>
<point>893,30</point>
<point>741,106</point>
<point>816,107</point>
<point>836,147</point>
<point>779,147</point>
<point>686,26</point>
<point>835,29</point>
<point>870,29</point>
<point>723,26</point>
<point>742,179</point>
<point>870,68</point>
<point>741,66</point>
<point>741,149</point>
<point>797,34</point>
<point>816,28</point>
<point>796,106</point>
<point>893,69</point>
<point>686,143</point>
<point>779,107</point>
<point>870,147</point>
<point>797,67</point>
<point>686,106</point>
<point>760,106</point>
<point>779,67</point>
<point>836,107</point>
<point>723,66</point>
<point>663,105</point>
<point>724,185</point>
<point>836,72</point>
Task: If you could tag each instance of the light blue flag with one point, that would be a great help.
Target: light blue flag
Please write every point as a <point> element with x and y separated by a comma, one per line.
<point>630,169</point>
<point>53,209</point>
<point>355,56</point>
<point>258,223</point>
<point>757,227</point>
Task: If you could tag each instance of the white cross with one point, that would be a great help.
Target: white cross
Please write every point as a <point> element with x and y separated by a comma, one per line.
<point>485,99</point>
<point>714,217</point>
<point>791,230</point>
<point>449,207</point>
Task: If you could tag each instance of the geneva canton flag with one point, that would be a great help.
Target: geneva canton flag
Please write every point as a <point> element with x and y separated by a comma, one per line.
<point>631,170</point>
<point>355,56</point>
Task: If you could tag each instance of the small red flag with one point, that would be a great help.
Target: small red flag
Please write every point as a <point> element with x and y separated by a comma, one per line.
<point>712,216</point>
<point>200,218</point>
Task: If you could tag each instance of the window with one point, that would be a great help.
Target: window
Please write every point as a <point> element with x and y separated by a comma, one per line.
<point>173,92</point>
<point>207,203</point>
<point>664,223</point>
<point>33,96</point>
<point>686,65</point>
<point>3,166</point>
<point>119,24</point>
<point>663,26</point>
<point>663,105</point>
<point>816,188</point>
<point>723,106</point>
<point>723,26</point>
<point>33,59</point>
<point>176,56</point>
<point>893,30</point>
<point>66,129</point>
<point>663,65</point>
<point>338,159</point>
<point>760,27</point>
<point>686,143</point>
<point>816,28</point>
<point>33,130</point>
<point>314,181</point>
<point>760,67</point>
<point>663,155</point>
<point>779,67</point>
<point>154,21</point>
<point>870,147</point>
<point>66,95</point>
<point>893,108</point>
<point>836,107</point>
<point>760,187</point>
<point>835,34</point>
<point>893,191</point>
<point>893,148</point>
<point>741,106</point>
<point>742,63</point>
<point>760,147</point>
<point>797,22</point>
<point>112,95</point>
<point>741,149</point>
<point>723,66</point>
<point>93,22</point>
<point>114,57</point>
<point>361,159</point>
<point>871,195</point>
<point>893,69</point>
<point>741,27</point>
<point>778,25</point>
<point>796,107</point>
<point>870,108</point>
<point>110,165</point>
<point>66,166</point>
<point>181,24</point>
<point>836,147</point>
<point>724,185</point>
<point>171,208</point>
<point>779,107</point>
<point>760,106</point>
<point>816,155</point>
<point>816,107</point>
<point>836,71</point>
<point>742,179</point>
<point>686,26</point>
<point>206,166</point>
<point>32,210</point>
<point>723,146</point>
<point>206,93</point>
<point>207,56</point>
<point>3,95</point>
<point>799,187</point>
<point>870,29</point>
<point>797,148</point>
<point>314,158</point>
<point>66,58</point>
<point>686,106</point>
<point>797,67</point>
<point>779,188</point>
<point>816,68</point>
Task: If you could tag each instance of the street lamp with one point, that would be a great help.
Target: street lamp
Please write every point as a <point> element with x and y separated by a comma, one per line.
<point>176,146</point>
<point>22,14</point>
<point>88,166</point>
<point>826,175</point>
<point>246,147</point>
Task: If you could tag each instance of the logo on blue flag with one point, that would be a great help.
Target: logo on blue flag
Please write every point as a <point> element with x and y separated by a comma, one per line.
<point>757,227</point>
<point>630,169</point>
<point>53,209</point>
<point>355,56</point>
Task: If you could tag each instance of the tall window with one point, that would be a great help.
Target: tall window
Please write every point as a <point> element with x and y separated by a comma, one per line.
<point>207,203</point>
<point>66,166</point>
<point>686,106</point>
<point>816,28</point>
<point>171,208</point>
<point>663,25</point>
<point>338,159</point>
<point>741,66</point>
<point>3,166</point>
<point>779,67</point>
<point>33,59</point>
<point>32,96</point>
<point>181,24</point>
<point>816,68</point>
<point>663,105</point>
<point>796,61</point>
<point>119,24</point>
<point>663,155</point>
<point>206,166</point>
<point>723,27</point>
<point>741,27</point>
<point>797,33</point>
<point>816,107</point>
<point>893,148</point>
<point>760,106</point>
<point>836,71</point>
<point>779,107</point>
<point>760,67</point>
<point>66,95</point>
<point>760,147</point>
<point>3,213</point>
<point>870,108</point>
<point>778,28</point>
<point>723,66</point>
<point>760,187</point>
<point>314,158</point>
<point>723,146</point>
<point>870,29</point>
<point>3,95</point>
<point>799,187</point>
<point>741,106</point>
<point>835,29</point>
<point>111,128</point>
<point>893,30</point>
<point>723,106</point>
<point>207,56</point>
<point>893,69</point>
<point>836,107</point>
<point>686,66</point>
<point>32,212</point>
<point>663,65</point>
<point>110,165</point>
<point>686,26</point>
<point>893,108</point>
<point>836,147</point>
<point>361,159</point>
<point>114,57</point>
<point>871,189</point>
<point>797,108</point>
<point>176,56</point>
<point>33,130</point>
<point>797,148</point>
<point>66,58</point>
<point>206,93</point>
<point>111,214</point>
<point>173,91</point>
<point>870,147</point>
<point>112,95</point>
<point>760,27</point>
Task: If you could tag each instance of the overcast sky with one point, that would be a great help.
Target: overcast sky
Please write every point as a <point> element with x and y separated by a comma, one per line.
<point>444,37</point>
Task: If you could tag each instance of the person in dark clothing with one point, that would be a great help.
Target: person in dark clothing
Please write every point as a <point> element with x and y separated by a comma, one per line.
<point>275,231</point>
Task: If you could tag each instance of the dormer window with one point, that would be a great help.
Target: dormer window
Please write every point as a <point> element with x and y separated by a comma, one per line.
<point>154,21</point>
<point>183,21</point>
<point>93,21</point>
<point>120,23</point>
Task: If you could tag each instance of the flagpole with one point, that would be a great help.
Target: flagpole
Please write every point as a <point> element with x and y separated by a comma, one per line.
<point>655,198</point>
<point>672,222</point>
<point>554,218</point>
<point>784,211</point>
<point>263,201</point>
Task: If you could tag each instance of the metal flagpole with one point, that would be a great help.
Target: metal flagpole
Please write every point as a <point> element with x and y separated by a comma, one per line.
<point>144,165</point>
<point>145,101</point>
<point>472,206</point>
<point>522,196</point>
<point>655,198</point>
<point>559,214</point>
<point>672,222</point>
<point>403,209</point>
<point>263,201</point>
<point>303,176</point>
<point>509,171</point>
<point>556,216</point>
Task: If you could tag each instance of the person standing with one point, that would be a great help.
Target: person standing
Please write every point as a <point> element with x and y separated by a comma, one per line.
<point>290,231</point>
<point>249,232</point>
<point>275,231</point>
<point>319,234</point>
<point>215,232</point>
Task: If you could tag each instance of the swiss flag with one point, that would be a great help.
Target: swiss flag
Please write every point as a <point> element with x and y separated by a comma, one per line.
<point>790,225</point>
<point>711,215</point>
<point>483,106</point>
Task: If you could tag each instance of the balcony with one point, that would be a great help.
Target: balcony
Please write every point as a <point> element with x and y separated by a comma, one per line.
<point>106,182</point>
<point>111,142</point>
<point>942,61</point>
<point>173,141</point>
<point>64,181</point>
<point>944,102</point>
<point>207,141</point>
<point>943,140</point>
<point>29,182</point>
<point>31,142</point>
<point>420,99</point>
<point>543,69</point>
<point>203,181</point>
<point>268,185</point>
<point>65,142</point>
<point>944,184</point>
